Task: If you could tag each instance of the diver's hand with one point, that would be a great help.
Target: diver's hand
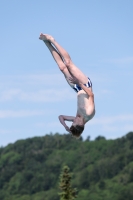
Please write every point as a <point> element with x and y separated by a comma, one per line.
<point>74,80</point>
<point>67,128</point>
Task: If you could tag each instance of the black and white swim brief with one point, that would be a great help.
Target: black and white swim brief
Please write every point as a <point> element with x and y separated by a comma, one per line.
<point>77,88</point>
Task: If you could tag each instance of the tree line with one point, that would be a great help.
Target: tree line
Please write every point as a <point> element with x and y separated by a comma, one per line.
<point>102,169</point>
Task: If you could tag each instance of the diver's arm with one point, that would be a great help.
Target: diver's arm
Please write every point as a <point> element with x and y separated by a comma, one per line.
<point>63,118</point>
<point>87,90</point>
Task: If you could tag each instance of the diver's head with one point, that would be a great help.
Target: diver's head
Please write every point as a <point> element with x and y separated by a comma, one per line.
<point>77,127</point>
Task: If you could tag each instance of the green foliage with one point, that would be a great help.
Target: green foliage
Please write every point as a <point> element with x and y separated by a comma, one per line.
<point>103,169</point>
<point>68,193</point>
<point>100,138</point>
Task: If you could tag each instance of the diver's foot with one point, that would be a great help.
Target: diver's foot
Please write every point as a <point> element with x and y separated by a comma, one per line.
<point>46,37</point>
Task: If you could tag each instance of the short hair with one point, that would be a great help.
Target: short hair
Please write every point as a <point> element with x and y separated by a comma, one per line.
<point>76,131</point>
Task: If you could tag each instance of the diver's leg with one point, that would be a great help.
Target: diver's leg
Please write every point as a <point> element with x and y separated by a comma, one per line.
<point>73,70</point>
<point>57,57</point>
<point>59,60</point>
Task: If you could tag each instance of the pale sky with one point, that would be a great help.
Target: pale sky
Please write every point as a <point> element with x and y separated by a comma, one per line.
<point>33,92</point>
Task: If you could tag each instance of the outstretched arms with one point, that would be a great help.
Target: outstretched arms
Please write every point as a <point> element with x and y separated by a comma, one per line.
<point>63,118</point>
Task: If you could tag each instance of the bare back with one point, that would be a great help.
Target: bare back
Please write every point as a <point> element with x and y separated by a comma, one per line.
<point>85,106</point>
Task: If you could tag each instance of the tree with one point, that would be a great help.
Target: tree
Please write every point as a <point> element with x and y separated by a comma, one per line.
<point>100,138</point>
<point>68,193</point>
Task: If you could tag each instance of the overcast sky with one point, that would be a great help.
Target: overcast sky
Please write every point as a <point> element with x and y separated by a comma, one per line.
<point>33,92</point>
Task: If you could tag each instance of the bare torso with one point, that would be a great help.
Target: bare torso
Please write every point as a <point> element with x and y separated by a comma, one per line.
<point>85,106</point>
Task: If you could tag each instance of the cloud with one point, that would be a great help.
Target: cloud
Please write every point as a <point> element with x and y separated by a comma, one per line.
<point>128,127</point>
<point>118,128</point>
<point>33,79</point>
<point>102,93</point>
<point>112,119</point>
<point>105,91</point>
<point>46,95</point>
<point>41,87</point>
<point>113,125</point>
<point>48,124</point>
<point>125,60</point>
<point>35,88</point>
<point>9,94</point>
<point>4,131</point>
<point>52,79</point>
<point>22,113</point>
<point>50,95</point>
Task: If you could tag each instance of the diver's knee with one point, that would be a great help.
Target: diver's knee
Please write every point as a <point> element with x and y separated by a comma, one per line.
<point>62,68</point>
<point>68,62</point>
